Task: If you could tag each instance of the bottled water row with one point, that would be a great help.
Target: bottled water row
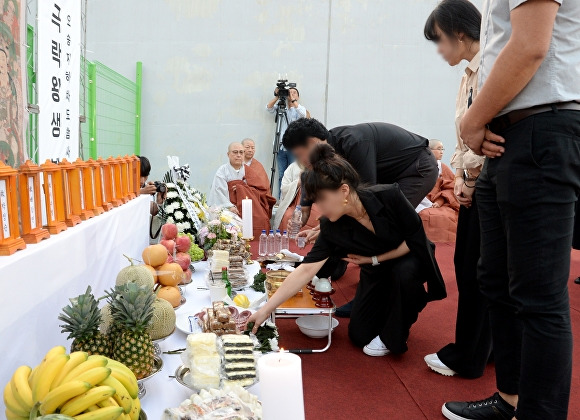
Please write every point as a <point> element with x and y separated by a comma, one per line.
<point>273,243</point>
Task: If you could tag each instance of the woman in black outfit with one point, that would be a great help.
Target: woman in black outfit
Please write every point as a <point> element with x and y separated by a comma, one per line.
<point>576,240</point>
<point>378,229</point>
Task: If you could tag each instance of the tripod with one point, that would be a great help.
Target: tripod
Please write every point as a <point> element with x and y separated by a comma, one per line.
<point>280,113</point>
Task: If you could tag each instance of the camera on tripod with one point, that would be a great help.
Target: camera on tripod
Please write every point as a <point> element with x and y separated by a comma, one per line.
<point>283,88</point>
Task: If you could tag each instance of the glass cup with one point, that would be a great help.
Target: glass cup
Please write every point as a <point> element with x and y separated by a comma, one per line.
<point>301,241</point>
<point>217,291</point>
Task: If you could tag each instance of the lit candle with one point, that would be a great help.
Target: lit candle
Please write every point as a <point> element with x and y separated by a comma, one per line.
<point>247,221</point>
<point>281,386</point>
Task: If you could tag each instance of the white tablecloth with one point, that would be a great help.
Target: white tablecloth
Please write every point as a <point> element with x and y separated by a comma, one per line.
<point>37,282</point>
<point>162,391</point>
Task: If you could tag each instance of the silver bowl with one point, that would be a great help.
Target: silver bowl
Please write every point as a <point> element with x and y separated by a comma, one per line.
<point>157,366</point>
<point>156,346</point>
<point>142,415</point>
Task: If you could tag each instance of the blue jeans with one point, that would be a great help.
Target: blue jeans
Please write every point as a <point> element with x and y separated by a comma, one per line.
<point>526,202</point>
<point>285,159</point>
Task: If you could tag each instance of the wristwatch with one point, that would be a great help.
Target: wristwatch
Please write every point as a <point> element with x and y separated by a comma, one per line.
<point>375,260</point>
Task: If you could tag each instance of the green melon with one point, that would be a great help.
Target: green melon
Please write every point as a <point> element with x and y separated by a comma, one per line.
<point>106,319</point>
<point>135,274</point>
<point>163,321</point>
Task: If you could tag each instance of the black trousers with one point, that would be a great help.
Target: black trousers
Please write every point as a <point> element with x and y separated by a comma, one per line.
<point>469,354</point>
<point>576,240</point>
<point>388,300</point>
<point>419,178</point>
<point>526,204</point>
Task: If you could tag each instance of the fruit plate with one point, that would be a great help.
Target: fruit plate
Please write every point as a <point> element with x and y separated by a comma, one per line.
<point>183,377</point>
<point>159,340</point>
<point>157,367</point>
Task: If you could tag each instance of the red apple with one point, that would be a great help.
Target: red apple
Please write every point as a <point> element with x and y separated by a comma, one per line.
<point>169,244</point>
<point>183,260</point>
<point>169,231</point>
<point>183,243</point>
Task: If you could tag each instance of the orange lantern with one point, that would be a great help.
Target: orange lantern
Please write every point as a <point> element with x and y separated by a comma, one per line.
<point>91,184</point>
<point>127,177</point>
<point>10,240</point>
<point>102,171</point>
<point>115,182</point>
<point>30,204</point>
<point>95,179</point>
<point>136,172</point>
<point>85,188</point>
<point>71,195</point>
<point>54,199</point>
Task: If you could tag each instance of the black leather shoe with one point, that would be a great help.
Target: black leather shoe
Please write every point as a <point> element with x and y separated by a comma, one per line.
<point>492,408</point>
<point>577,281</point>
<point>344,310</point>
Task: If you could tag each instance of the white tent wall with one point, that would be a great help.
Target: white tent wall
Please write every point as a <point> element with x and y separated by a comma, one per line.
<point>209,68</point>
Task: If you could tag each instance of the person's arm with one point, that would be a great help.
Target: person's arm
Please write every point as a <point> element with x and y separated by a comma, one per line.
<point>270,105</point>
<point>308,114</point>
<point>290,286</point>
<point>398,252</point>
<point>532,24</point>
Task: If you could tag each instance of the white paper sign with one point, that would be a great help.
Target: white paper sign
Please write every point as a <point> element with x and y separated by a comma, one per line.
<point>4,210</point>
<point>31,202</point>
<point>103,184</point>
<point>66,194</point>
<point>82,189</point>
<point>93,189</point>
<point>51,198</point>
<point>59,41</point>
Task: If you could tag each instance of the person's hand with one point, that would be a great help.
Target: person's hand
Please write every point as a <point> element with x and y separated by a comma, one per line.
<point>457,188</point>
<point>148,189</point>
<point>258,318</point>
<point>436,205</point>
<point>479,139</point>
<point>310,234</point>
<point>276,92</point>
<point>234,210</point>
<point>468,192</point>
<point>160,198</point>
<point>358,259</point>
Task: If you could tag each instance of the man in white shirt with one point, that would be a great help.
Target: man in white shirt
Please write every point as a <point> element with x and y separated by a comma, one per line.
<point>219,195</point>
<point>294,111</point>
<point>526,120</point>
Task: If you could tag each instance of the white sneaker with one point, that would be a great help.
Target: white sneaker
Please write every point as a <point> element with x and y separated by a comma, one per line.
<point>376,348</point>
<point>438,366</point>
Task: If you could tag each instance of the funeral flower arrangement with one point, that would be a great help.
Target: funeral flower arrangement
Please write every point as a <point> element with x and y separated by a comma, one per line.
<point>185,206</point>
<point>223,225</point>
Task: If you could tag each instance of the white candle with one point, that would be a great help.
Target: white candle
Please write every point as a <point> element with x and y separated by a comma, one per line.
<point>247,222</point>
<point>281,386</point>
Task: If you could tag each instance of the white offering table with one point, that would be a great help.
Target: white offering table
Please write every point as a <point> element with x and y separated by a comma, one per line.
<point>161,390</point>
<point>37,281</point>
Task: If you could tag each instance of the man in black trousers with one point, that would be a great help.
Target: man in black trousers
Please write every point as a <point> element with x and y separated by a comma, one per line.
<point>381,153</point>
<point>526,120</point>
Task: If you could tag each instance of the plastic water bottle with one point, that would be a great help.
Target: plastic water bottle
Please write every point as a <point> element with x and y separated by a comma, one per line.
<point>278,241</point>
<point>263,247</point>
<point>285,241</point>
<point>296,224</point>
<point>271,243</point>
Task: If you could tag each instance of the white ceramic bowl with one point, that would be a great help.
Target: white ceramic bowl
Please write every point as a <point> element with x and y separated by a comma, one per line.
<point>315,326</point>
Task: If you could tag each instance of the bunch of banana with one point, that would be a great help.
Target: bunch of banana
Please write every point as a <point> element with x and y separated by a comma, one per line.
<point>76,386</point>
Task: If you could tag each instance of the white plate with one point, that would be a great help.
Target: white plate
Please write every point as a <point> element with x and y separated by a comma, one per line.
<point>182,324</point>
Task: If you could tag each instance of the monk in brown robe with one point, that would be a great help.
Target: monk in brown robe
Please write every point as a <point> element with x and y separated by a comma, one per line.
<point>440,209</point>
<point>235,181</point>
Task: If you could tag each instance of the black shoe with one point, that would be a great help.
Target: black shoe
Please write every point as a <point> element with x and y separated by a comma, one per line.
<point>577,281</point>
<point>492,408</point>
<point>345,310</point>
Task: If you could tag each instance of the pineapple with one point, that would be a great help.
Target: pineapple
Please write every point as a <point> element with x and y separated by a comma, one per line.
<point>81,320</point>
<point>132,310</point>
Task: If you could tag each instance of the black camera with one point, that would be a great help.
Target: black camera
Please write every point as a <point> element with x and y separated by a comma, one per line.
<point>160,187</point>
<point>283,88</point>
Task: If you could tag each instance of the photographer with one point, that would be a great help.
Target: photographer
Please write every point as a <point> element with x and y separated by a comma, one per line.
<point>151,188</point>
<point>294,111</point>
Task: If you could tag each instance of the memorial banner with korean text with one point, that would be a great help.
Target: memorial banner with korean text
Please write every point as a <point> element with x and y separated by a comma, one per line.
<point>58,80</point>
<point>13,113</point>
